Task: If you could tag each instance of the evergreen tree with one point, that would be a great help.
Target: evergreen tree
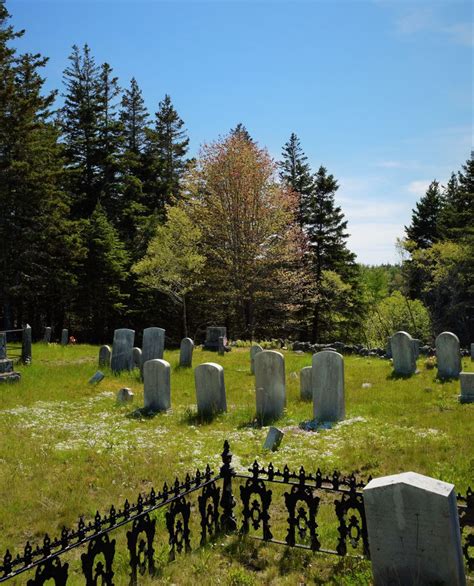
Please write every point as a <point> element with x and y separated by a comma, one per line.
<point>241,131</point>
<point>134,116</point>
<point>295,172</point>
<point>457,218</point>
<point>424,228</point>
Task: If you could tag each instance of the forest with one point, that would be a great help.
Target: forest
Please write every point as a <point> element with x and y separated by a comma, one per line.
<point>107,221</point>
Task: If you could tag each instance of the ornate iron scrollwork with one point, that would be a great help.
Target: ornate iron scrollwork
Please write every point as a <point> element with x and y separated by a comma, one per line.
<point>50,570</point>
<point>298,518</point>
<point>209,510</point>
<point>93,572</point>
<point>258,511</point>
<point>178,529</point>
<point>354,528</point>
<point>141,547</point>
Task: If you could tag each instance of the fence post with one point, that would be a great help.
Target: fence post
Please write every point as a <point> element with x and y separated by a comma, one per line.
<point>26,345</point>
<point>228,520</point>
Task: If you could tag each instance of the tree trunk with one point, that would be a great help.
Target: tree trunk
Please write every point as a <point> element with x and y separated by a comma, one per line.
<point>185,321</point>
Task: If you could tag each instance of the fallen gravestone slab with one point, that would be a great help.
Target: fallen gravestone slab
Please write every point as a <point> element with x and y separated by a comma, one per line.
<point>273,440</point>
<point>98,376</point>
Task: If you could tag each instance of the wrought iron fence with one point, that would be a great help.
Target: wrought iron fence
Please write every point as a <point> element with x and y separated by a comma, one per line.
<point>304,496</point>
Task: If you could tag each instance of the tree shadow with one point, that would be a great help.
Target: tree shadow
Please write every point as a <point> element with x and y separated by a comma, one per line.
<point>396,376</point>
<point>258,422</point>
<point>191,417</point>
<point>142,413</point>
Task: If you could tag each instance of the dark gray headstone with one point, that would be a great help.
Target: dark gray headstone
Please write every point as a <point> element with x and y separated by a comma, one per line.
<point>212,337</point>
<point>273,439</point>
<point>96,378</point>
<point>467,387</point>
<point>26,354</point>
<point>105,353</point>
<point>221,347</point>
<point>3,345</point>
<point>47,335</point>
<point>153,345</point>
<point>122,348</point>
<point>64,337</point>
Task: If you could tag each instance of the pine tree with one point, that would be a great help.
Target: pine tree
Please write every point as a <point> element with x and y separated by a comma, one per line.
<point>295,172</point>
<point>134,117</point>
<point>457,217</point>
<point>424,228</point>
<point>241,131</point>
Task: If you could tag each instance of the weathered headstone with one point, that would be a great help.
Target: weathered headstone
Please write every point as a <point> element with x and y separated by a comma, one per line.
<point>273,439</point>
<point>26,354</point>
<point>64,337</point>
<point>125,395</point>
<point>413,529</point>
<point>270,384</point>
<point>210,389</point>
<point>403,353</point>
<point>137,357</point>
<point>467,387</point>
<point>122,358</point>
<point>105,354</point>
<point>448,355</point>
<point>157,385</point>
<point>328,386</point>
<point>416,347</point>
<point>3,345</point>
<point>7,374</point>
<point>212,338</point>
<point>306,385</point>
<point>221,346</point>
<point>47,335</point>
<point>153,345</point>
<point>254,350</point>
<point>472,351</point>
<point>96,378</point>
<point>186,352</point>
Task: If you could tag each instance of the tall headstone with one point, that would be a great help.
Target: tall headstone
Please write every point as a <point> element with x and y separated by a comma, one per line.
<point>306,384</point>
<point>210,389</point>
<point>137,357</point>
<point>270,384</point>
<point>47,335</point>
<point>186,352</point>
<point>403,353</point>
<point>122,357</point>
<point>105,353</point>
<point>64,337</point>
<point>328,386</point>
<point>416,347</point>
<point>213,334</point>
<point>153,345</point>
<point>254,350</point>
<point>472,351</point>
<point>221,346</point>
<point>467,387</point>
<point>157,385</point>
<point>26,354</point>
<point>3,345</point>
<point>413,529</point>
<point>448,355</point>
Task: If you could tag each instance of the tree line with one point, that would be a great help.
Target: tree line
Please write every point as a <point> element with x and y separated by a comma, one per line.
<point>107,222</point>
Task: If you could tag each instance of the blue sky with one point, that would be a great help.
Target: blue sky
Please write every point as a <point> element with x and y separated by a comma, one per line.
<point>380,92</point>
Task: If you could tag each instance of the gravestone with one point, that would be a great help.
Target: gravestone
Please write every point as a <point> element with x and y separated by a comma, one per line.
<point>212,338</point>
<point>413,530</point>
<point>105,353</point>
<point>137,357</point>
<point>306,385</point>
<point>210,389</point>
<point>96,378</point>
<point>153,345</point>
<point>125,395</point>
<point>7,374</point>
<point>448,355</point>
<point>64,337</point>
<point>3,345</point>
<point>467,387</point>
<point>403,353</point>
<point>47,335</point>
<point>157,385</point>
<point>328,386</point>
<point>221,346</point>
<point>472,351</point>
<point>270,384</point>
<point>416,347</point>
<point>186,353</point>
<point>26,354</point>
<point>254,350</point>
<point>122,357</point>
<point>389,348</point>
<point>273,439</point>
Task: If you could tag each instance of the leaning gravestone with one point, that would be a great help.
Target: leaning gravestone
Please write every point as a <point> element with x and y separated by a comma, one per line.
<point>254,350</point>
<point>448,355</point>
<point>270,384</point>
<point>157,386</point>
<point>47,335</point>
<point>328,386</point>
<point>306,385</point>
<point>467,387</point>
<point>273,439</point>
<point>186,352</point>
<point>212,338</point>
<point>122,357</point>
<point>403,353</point>
<point>137,357</point>
<point>210,389</point>
<point>413,530</point>
<point>105,353</point>
<point>96,378</point>
<point>153,345</point>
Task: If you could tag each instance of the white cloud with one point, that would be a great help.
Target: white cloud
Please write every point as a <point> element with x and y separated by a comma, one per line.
<point>374,242</point>
<point>418,188</point>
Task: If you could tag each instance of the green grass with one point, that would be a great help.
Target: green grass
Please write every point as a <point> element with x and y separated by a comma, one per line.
<point>68,449</point>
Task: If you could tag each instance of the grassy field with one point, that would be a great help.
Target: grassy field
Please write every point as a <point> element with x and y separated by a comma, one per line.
<point>67,449</point>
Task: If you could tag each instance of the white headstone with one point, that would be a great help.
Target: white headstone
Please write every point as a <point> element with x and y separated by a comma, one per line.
<point>254,350</point>
<point>137,357</point>
<point>328,386</point>
<point>413,529</point>
<point>210,389</point>
<point>273,440</point>
<point>467,387</point>
<point>105,354</point>
<point>64,337</point>
<point>306,385</point>
<point>122,357</point>
<point>270,384</point>
<point>153,345</point>
<point>157,385</point>
<point>186,352</point>
<point>448,355</point>
<point>403,354</point>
